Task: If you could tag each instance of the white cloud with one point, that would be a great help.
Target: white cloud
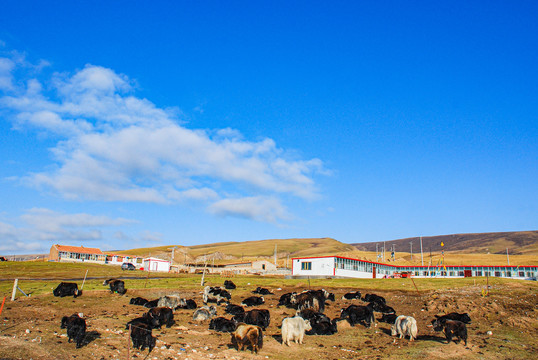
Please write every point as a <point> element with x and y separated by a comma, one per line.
<point>54,222</point>
<point>259,208</point>
<point>150,236</point>
<point>6,78</point>
<point>114,146</point>
<point>42,227</point>
<point>16,247</point>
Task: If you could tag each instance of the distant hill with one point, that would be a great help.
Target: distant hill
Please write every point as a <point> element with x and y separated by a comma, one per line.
<point>247,250</point>
<point>517,242</point>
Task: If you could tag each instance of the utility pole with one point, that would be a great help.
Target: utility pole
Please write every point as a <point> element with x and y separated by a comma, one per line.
<point>384,251</point>
<point>376,252</point>
<point>421,254</point>
<point>411,243</point>
<point>507,257</point>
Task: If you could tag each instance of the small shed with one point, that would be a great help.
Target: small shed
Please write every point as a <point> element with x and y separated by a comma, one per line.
<point>259,266</point>
<point>154,264</point>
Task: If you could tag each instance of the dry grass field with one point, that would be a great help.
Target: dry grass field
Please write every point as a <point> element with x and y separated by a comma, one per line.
<point>30,326</point>
<point>248,250</point>
<point>221,253</point>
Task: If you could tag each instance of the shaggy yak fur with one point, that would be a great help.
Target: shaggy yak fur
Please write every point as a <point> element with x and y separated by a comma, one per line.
<point>294,329</point>
<point>76,328</point>
<point>352,295</point>
<point>405,325</point>
<point>138,301</point>
<point>451,328</point>
<point>233,309</point>
<point>222,324</point>
<point>229,285</point>
<point>248,335</point>
<point>358,314</point>
<point>464,318</point>
<point>116,286</point>
<point>141,336</point>
<point>67,289</point>
<point>161,316</point>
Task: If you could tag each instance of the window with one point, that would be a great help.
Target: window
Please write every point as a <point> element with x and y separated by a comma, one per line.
<point>479,273</point>
<point>461,273</point>
<point>497,273</point>
<point>521,274</point>
<point>306,265</point>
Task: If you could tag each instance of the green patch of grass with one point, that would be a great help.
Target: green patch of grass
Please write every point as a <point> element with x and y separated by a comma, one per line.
<point>32,277</point>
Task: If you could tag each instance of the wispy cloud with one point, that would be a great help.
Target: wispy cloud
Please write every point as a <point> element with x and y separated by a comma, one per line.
<point>114,146</point>
<point>268,209</point>
<point>42,227</point>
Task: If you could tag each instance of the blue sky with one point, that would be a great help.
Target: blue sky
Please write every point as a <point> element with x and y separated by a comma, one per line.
<point>131,124</point>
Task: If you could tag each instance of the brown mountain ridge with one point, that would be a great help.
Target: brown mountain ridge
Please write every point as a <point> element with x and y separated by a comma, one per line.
<point>517,242</point>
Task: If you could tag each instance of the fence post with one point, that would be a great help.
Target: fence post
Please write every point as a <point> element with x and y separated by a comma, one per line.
<point>1,308</point>
<point>84,280</point>
<point>14,289</point>
<point>129,344</point>
<point>415,285</point>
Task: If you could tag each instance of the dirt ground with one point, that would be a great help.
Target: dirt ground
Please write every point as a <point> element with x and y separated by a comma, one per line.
<point>504,326</point>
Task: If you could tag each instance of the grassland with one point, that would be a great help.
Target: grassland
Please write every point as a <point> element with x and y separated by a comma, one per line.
<point>246,251</point>
<point>30,326</point>
<point>38,277</point>
<point>289,248</point>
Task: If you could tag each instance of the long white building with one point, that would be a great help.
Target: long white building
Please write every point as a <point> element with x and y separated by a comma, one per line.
<point>338,266</point>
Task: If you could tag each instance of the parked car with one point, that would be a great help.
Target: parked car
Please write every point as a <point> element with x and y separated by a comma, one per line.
<point>128,266</point>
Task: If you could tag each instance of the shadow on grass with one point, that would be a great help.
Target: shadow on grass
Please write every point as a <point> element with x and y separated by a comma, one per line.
<point>385,330</point>
<point>91,336</point>
<point>439,339</point>
<point>278,338</point>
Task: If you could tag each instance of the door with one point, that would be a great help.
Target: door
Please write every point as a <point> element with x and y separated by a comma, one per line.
<point>373,272</point>
<point>154,266</point>
<point>467,273</point>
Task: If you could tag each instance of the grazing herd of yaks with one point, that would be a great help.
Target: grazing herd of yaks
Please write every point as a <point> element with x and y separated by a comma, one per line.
<point>247,326</point>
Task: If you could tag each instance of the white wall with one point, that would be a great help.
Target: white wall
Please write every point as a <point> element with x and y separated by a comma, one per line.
<point>320,267</point>
<point>354,274</point>
<point>156,265</point>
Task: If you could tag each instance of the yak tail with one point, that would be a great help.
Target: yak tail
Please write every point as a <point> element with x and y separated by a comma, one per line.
<point>413,331</point>
<point>260,338</point>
